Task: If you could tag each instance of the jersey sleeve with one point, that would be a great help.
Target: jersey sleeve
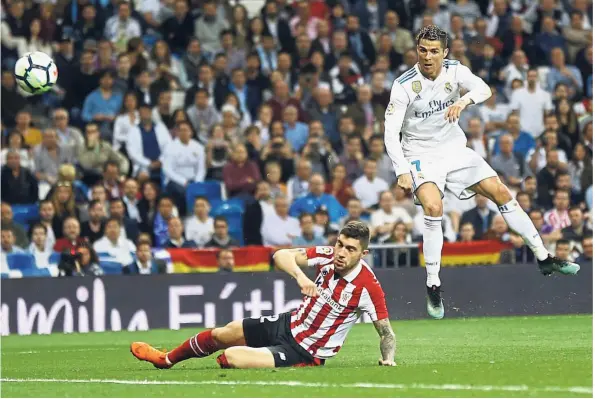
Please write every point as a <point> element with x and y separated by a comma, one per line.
<point>372,301</point>
<point>318,255</point>
<point>479,91</point>
<point>393,122</point>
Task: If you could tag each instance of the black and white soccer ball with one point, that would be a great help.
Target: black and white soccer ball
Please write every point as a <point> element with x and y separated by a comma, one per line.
<point>36,72</point>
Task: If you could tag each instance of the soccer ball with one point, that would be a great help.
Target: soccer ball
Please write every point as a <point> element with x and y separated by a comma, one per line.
<point>36,72</point>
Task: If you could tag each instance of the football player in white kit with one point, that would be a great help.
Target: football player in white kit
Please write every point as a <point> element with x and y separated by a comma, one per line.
<point>424,107</point>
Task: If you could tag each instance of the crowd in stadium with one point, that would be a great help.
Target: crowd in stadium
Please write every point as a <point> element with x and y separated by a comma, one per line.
<point>157,99</point>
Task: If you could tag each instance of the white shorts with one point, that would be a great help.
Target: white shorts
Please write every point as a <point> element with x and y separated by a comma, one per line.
<point>453,170</point>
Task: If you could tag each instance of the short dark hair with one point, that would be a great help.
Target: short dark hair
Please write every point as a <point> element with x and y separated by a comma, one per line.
<point>92,203</point>
<point>37,226</point>
<point>110,163</point>
<point>357,230</point>
<point>562,242</point>
<point>220,218</point>
<point>575,208</point>
<point>113,219</point>
<point>305,215</point>
<point>433,33</point>
<point>203,198</point>
<point>221,251</point>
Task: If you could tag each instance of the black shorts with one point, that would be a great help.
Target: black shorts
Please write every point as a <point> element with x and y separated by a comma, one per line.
<point>274,333</point>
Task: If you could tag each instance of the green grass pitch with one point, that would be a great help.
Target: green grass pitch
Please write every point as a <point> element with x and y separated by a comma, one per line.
<point>492,357</point>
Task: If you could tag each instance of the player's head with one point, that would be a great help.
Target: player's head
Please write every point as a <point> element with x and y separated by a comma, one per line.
<point>432,48</point>
<point>351,246</point>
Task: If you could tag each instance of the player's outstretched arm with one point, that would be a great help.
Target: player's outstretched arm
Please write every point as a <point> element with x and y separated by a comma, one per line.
<point>393,122</point>
<point>291,260</point>
<point>388,342</point>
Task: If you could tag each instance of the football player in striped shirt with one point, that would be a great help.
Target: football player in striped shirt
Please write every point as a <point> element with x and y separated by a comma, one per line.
<point>425,106</point>
<point>344,287</point>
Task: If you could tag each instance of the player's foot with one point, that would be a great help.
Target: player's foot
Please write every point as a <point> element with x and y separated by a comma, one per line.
<point>146,352</point>
<point>553,264</point>
<point>434,302</point>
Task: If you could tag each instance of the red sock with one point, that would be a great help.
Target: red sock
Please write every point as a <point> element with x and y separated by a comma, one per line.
<point>222,360</point>
<point>200,345</point>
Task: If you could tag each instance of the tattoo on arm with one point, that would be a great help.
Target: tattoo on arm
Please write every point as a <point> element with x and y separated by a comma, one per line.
<point>388,342</point>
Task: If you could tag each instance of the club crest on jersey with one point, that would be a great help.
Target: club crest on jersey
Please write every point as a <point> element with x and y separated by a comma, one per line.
<point>448,87</point>
<point>324,250</point>
<point>416,87</point>
<point>345,296</point>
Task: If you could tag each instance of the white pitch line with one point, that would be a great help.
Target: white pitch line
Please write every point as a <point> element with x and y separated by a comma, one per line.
<point>65,350</point>
<point>365,385</point>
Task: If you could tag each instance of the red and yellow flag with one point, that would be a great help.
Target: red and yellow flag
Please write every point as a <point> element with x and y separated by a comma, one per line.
<point>247,259</point>
<point>470,253</point>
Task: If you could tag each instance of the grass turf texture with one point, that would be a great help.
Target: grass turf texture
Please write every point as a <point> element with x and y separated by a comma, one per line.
<point>491,357</point>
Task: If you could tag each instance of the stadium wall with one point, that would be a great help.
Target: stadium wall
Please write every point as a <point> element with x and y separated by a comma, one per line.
<point>113,303</point>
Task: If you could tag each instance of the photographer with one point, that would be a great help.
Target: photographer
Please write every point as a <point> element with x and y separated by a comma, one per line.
<point>218,151</point>
<point>318,150</point>
<point>279,150</point>
<point>80,262</point>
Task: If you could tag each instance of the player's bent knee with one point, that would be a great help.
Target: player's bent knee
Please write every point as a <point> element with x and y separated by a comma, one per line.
<point>433,208</point>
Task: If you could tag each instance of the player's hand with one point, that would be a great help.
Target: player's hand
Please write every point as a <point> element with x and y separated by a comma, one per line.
<point>454,111</point>
<point>405,181</point>
<point>389,363</point>
<point>307,286</point>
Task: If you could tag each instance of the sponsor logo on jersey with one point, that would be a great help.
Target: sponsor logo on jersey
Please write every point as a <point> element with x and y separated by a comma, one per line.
<point>435,106</point>
<point>416,86</point>
<point>448,87</point>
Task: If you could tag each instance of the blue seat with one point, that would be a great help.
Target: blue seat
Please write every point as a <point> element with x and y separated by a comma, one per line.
<point>209,189</point>
<point>25,214</point>
<point>221,207</point>
<point>20,262</point>
<point>35,272</point>
<point>4,275</point>
<point>110,267</point>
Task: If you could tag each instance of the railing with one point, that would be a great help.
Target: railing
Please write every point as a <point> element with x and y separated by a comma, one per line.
<point>393,255</point>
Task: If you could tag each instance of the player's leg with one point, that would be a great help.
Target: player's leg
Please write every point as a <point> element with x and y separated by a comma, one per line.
<point>200,345</point>
<point>430,198</point>
<point>243,357</point>
<point>519,221</point>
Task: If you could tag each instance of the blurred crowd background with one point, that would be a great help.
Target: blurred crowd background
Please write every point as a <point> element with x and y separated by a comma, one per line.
<point>215,124</point>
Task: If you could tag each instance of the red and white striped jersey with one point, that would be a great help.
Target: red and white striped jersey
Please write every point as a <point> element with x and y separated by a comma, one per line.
<point>558,220</point>
<point>320,325</point>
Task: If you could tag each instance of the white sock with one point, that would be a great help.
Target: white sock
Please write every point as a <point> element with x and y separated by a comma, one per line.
<point>521,223</point>
<point>167,361</point>
<point>433,240</point>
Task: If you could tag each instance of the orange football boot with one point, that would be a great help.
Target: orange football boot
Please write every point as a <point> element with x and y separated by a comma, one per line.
<point>144,351</point>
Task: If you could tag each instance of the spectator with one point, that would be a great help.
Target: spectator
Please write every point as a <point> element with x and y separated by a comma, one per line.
<point>112,181</point>
<point>276,26</point>
<point>549,37</point>
<point>146,145</point>
<point>560,72</point>
<point>481,217</point>
<point>576,35</point>
<point>319,150</point>
<point>99,193</point>
<point>69,137</point>
<point>384,218</point>
<point>96,153</point>
<point>158,226</point>
<point>344,77</point>
<point>169,69</point>
<point>558,217</point>
<point>524,200</point>
<point>175,230</point>
<point>37,247</point>
<point>548,234</point>
<point>122,27</point>
<point>147,206</point>
<point>577,167</point>
<point>273,178</point>
<point>8,246</point>
<point>493,114</point>
<point>568,121</point>
<point>509,163</point>
<point>225,260</point>
<point>145,263</point>
<point>46,217</point>
<point>498,230</point>
<point>19,186</point>
<point>438,15</point>
<point>353,157</point>
<point>114,245</point>
<point>93,229</point>
<point>194,58</point>
<point>278,228</point>
<point>338,187</point>
<point>587,255</point>
<point>308,236</point>
<point>184,162</point>
<point>24,126</point>
<point>564,143</point>
<point>384,166</point>
<point>13,101</point>
<point>317,198</point>
<point>221,238</point>
<point>203,115</point>
<point>16,144</point>
<point>400,256</point>
<point>199,226</point>
<point>281,99</point>
<point>296,132</point>
<point>131,201</point>
<point>298,185</point>
<point>64,205</point>
<point>466,232</point>
<point>8,224</point>
<point>578,227</point>
<point>563,249</point>
<point>103,104</point>
<point>48,156</point>
<point>523,142</point>
<point>546,179</point>
<point>475,137</point>
<point>240,175</point>
<point>71,236</point>
<point>354,213</point>
<point>516,69</point>
<point>369,186</point>
<point>400,37</point>
<point>531,102</point>
<point>403,200</point>
<point>123,80</point>
<point>537,158</point>
<point>254,214</point>
<point>209,26</point>
<point>129,227</point>
<point>178,29</point>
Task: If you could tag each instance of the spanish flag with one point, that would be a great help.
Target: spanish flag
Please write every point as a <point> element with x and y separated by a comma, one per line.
<point>247,259</point>
<point>470,253</point>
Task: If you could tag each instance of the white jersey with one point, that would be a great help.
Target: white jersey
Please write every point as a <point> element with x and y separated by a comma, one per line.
<point>417,109</point>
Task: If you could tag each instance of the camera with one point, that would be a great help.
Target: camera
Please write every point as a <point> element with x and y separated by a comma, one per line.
<point>68,259</point>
